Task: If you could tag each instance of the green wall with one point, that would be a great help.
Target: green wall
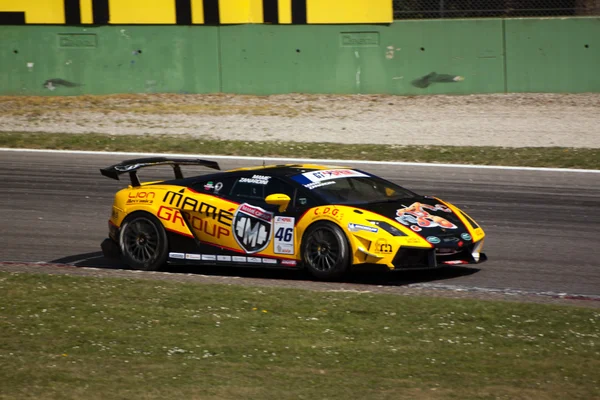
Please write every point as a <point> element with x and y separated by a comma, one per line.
<point>406,58</point>
<point>553,55</point>
<point>364,59</point>
<point>109,59</point>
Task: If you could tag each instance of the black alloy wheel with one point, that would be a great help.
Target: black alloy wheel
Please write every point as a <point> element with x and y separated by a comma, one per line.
<point>143,242</point>
<point>326,252</point>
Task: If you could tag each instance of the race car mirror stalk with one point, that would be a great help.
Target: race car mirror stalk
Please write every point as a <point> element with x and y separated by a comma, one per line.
<point>279,199</point>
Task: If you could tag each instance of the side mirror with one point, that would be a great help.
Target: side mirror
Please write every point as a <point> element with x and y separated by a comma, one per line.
<point>279,199</point>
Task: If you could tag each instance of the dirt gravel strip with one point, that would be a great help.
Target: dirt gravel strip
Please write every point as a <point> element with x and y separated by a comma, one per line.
<point>418,289</point>
<point>505,120</point>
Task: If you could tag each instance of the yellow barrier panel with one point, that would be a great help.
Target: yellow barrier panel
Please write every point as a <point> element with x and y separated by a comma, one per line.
<point>37,11</point>
<point>142,11</point>
<point>241,11</point>
<point>186,12</point>
<point>348,11</point>
<point>285,11</point>
<point>85,7</point>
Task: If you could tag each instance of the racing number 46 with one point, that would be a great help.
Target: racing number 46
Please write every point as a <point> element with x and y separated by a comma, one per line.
<point>284,234</point>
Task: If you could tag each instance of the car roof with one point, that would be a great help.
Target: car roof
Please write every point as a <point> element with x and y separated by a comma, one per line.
<point>281,170</point>
<point>286,169</point>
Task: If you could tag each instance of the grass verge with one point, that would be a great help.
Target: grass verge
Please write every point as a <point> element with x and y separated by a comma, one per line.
<point>557,157</point>
<point>70,337</point>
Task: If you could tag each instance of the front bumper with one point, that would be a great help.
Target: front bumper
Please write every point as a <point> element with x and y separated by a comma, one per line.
<point>419,258</point>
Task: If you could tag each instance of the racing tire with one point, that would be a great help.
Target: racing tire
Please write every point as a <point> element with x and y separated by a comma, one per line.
<point>143,242</point>
<point>325,251</point>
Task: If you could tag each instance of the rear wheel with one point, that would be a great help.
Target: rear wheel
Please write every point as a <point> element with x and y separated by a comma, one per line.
<point>325,251</point>
<point>143,242</point>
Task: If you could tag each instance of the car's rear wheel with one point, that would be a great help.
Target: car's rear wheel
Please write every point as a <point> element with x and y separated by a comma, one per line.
<point>325,251</point>
<point>143,242</point>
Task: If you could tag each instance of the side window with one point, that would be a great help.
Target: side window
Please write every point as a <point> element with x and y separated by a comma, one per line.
<point>276,185</point>
<point>250,187</point>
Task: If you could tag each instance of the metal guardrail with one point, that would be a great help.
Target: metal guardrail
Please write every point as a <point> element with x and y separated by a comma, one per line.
<point>424,9</point>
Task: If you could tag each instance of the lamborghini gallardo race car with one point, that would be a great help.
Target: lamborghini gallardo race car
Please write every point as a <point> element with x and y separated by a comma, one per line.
<point>322,218</point>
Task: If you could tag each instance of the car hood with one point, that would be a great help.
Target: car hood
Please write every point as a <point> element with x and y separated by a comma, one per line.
<point>425,216</point>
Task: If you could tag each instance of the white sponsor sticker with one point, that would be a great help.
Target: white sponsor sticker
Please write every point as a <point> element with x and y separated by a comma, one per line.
<point>257,179</point>
<point>284,235</point>
<point>239,259</point>
<point>255,259</point>
<point>179,256</point>
<point>224,258</point>
<point>269,261</point>
<point>327,174</point>
<point>192,256</point>
<point>352,227</point>
<point>209,257</point>
<point>288,262</point>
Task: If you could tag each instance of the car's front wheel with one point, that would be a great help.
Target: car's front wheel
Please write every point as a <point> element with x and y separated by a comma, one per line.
<point>143,242</point>
<point>325,251</point>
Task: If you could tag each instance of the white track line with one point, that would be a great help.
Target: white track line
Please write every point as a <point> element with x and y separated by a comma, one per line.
<point>307,160</point>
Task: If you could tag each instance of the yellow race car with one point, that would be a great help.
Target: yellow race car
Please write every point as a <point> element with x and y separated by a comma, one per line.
<point>322,218</point>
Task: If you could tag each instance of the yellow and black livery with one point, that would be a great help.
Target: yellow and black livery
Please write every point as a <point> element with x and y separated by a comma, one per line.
<point>323,218</point>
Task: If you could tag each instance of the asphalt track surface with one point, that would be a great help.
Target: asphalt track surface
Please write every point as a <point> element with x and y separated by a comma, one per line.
<point>543,227</point>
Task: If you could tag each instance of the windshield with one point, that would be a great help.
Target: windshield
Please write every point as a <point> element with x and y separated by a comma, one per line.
<point>346,186</point>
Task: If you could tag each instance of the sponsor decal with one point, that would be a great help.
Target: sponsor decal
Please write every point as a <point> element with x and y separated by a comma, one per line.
<point>224,258</point>
<point>433,239</point>
<point>327,174</point>
<point>352,227</point>
<point>179,256</point>
<point>178,200</point>
<point>413,241</point>
<point>218,186</point>
<point>200,225</point>
<point>140,197</point>
<point>269,261</point>
<point>257,179</point>
<point>455,262</point>
<point>209,186</point>
<point>115,213</point>
<point>314,185</point>
<point>417,215</point>
<point>125,168</point>
<point>330,212</point>
<point>252,228</point>
<point>415,228</point>
<point>209,257</point>
<point>239,259</point>
<point>382,246</point>
<point>284,235</point>
<point>288,262</point>
<point>255,260</point>
<point>192,256</point>
<point>466,236</point>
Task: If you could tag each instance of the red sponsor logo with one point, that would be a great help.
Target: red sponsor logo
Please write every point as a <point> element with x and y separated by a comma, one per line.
<point>142,195</point>
<point>256,211</point>
<point>326,211</point>
<point>288,262</point>
<point>199,225</point>
<point>284,219</point>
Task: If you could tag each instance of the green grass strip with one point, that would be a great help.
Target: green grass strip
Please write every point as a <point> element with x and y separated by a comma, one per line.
<point>66,337</point>
<point>556,157</point>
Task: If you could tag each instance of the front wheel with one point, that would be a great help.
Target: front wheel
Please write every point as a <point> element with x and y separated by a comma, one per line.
<point>143,242</point>
<point>325,251</point>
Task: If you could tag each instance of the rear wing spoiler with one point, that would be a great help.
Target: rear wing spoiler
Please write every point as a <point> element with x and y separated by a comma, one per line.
<point>132,166</point>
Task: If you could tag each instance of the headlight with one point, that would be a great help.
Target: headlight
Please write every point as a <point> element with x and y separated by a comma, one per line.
<point>388,228</point>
